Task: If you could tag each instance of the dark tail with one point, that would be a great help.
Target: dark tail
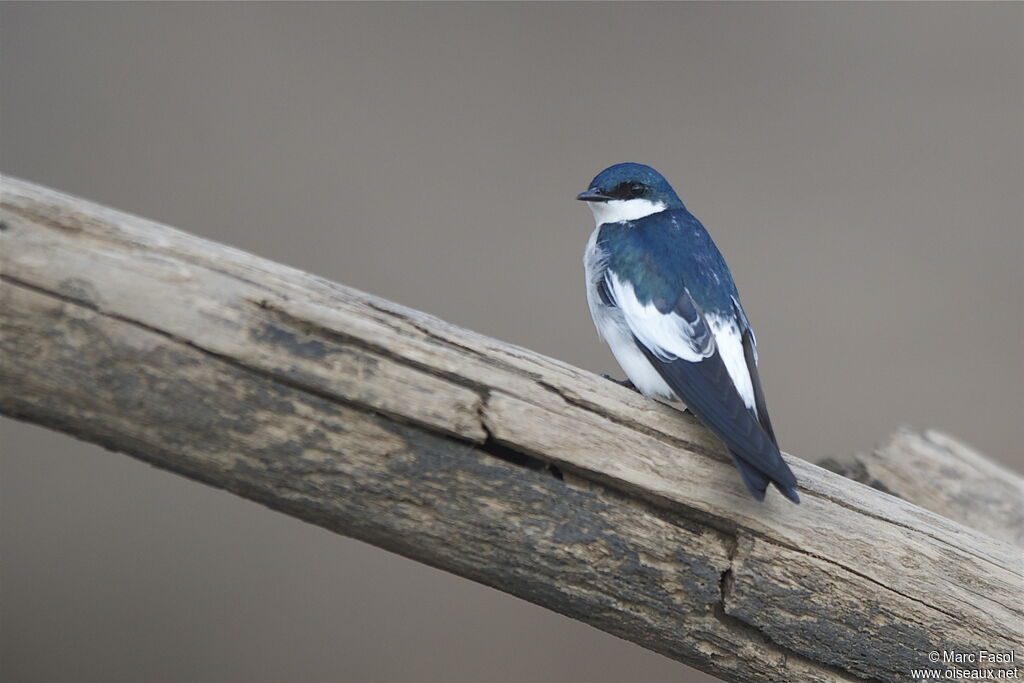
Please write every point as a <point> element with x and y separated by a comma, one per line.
<point>706,387</point>
<point>757,482</point>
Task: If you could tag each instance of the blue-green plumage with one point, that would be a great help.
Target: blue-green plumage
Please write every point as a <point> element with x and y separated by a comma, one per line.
<point>663,298</point>
<point>665,253</point>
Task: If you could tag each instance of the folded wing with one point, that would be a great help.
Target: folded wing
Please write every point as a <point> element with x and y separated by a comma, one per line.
<point>678,340</point>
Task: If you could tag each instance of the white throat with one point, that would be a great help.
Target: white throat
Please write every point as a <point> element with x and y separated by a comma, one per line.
<point>618,210</point>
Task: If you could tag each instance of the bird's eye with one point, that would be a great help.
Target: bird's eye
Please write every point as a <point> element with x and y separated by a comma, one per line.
<point>629,190</point>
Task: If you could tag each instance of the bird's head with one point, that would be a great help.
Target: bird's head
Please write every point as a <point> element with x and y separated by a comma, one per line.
<point>628,192</point>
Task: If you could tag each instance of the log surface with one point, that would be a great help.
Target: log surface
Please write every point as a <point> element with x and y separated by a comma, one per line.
<point>948,477</point>
<point>475,456</point>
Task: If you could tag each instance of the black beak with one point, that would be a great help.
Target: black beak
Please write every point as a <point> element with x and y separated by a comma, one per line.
<point>592,195</point>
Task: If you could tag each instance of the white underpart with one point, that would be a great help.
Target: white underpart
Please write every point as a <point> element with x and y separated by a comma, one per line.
<point>667,336</point>
<point>729,340</point>
<point>618,210</point>
<point>611,326</point>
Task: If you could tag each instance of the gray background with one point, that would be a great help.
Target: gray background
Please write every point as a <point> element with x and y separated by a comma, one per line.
<point>860,166</point>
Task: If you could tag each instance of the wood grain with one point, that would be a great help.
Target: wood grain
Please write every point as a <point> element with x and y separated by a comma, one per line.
<point>948,477</point>
<point>475,456</point>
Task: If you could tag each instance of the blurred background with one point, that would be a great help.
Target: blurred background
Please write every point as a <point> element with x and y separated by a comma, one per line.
<point>859,165</point>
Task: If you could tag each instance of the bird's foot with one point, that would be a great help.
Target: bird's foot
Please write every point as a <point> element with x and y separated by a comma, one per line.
<point>622,382</point>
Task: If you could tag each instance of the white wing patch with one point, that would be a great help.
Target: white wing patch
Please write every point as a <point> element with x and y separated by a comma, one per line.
<point>670,336</point>
<point>745,325</point>
<point>667,335</point>
<point>729,340</point>
<point>612,328</point>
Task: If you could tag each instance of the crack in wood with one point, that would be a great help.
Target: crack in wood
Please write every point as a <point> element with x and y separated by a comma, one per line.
<point>508,468</point>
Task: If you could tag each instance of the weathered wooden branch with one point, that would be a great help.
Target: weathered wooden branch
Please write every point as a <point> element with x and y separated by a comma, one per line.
<point>941,474</point>
<point>475,456</point>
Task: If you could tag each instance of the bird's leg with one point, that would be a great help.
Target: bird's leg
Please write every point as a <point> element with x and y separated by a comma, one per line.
<point>622,382</point>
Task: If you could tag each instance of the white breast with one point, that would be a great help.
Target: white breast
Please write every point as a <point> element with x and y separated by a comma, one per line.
<point>611,326</point>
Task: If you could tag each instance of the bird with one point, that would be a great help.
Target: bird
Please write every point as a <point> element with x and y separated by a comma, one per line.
<point>664,300</point>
